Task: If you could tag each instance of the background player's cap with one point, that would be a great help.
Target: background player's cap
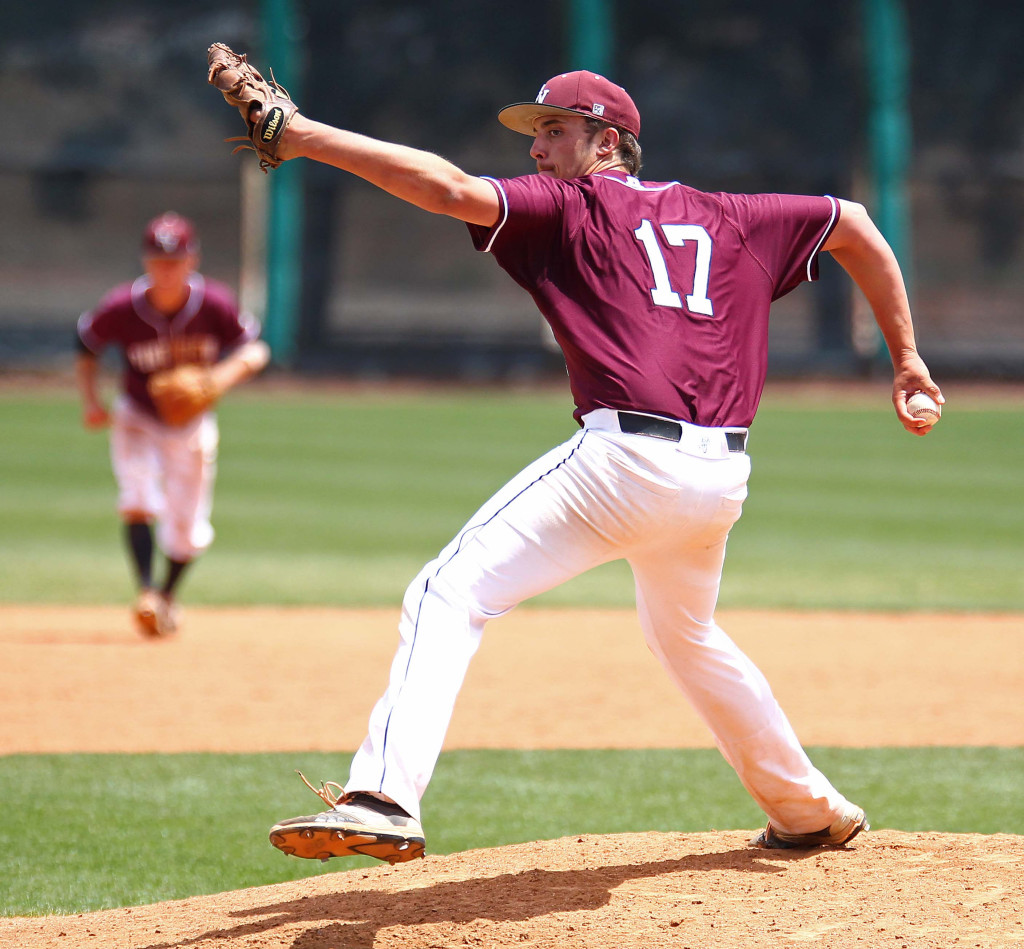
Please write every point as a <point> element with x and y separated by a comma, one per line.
<point>169,235</point>
<point>582,93</point>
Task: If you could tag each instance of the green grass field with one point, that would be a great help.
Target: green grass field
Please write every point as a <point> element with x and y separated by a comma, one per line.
<point>97,831</point>
<point>339,499</point>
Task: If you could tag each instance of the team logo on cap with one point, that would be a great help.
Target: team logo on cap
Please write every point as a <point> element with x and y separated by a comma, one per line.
<point>166,237</point>
<point>543,94</point>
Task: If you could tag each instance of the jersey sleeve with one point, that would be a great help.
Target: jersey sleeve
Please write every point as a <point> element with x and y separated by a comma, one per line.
<point>249,326</point>
<point>101,326</point>
<point>785,233</point>
<point>234,327</point>
<point>536,212</point>
<point>240,327</point>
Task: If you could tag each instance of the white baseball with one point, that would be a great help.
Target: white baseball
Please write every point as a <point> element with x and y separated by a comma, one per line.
<point>922,405</point>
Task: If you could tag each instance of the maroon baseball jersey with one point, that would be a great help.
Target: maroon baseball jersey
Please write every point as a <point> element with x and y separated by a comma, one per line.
<point>658,294</point>
<point>200,332</point>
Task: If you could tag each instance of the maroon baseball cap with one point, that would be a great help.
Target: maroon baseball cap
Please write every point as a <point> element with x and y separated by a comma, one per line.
<point>581,93</point>
<point>169,235</point>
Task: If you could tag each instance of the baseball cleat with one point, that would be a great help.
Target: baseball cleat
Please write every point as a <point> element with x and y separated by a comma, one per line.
<point>840,832</point>
<point>148,610</point>
<point>356,825</point>
<point>169,618</point>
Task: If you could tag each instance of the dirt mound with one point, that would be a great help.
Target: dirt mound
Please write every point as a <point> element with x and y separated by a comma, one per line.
<point>628,890</point>
<point>636,890</point>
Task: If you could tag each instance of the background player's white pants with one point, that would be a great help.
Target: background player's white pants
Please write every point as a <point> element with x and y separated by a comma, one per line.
<point>601,496</point>
<point>168,473</point>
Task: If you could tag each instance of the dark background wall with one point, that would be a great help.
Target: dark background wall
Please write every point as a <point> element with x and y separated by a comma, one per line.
<point>109,120</point>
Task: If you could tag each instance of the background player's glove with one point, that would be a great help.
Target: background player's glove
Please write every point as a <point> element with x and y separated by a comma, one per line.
<point>265,106</point>
<point>182,393</point>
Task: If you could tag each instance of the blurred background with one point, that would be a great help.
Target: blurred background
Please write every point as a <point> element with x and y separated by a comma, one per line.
<point>913,107</point>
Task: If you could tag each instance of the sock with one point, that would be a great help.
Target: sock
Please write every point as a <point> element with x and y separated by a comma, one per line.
<point>140,545</point>
<point>175,568</point>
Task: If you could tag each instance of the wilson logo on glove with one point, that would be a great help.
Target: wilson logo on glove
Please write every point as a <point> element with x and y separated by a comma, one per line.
<point>271,124</point>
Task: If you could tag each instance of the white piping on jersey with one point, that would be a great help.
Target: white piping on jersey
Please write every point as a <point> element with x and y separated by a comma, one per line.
<point>196,292</point>
<point>504,212</point>
<point>824,234</point>
<point>85,332</point>
<point>637,185</point>
<point>251,327</point>
<point>630,182</point>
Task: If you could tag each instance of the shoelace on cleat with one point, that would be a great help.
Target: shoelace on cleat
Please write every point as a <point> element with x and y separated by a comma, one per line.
<point>324,792</point>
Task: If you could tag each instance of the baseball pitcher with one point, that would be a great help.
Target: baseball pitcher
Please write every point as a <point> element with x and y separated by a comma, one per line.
<point>658,295</point>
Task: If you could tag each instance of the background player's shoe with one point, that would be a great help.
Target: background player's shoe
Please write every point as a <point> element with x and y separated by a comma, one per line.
<point>841,831</point>
<point>169,617</point>
<point>148,609</point>
<point>356,824</point>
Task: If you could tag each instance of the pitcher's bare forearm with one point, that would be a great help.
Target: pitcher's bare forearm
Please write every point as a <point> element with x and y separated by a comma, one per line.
<point>861,250</point>
<point>421,178</point>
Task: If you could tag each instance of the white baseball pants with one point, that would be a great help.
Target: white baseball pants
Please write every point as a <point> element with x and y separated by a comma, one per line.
<point>168,473</point>
<point>667,509</point>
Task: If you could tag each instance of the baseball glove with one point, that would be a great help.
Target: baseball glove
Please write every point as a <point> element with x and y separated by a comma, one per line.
<point>182,393</point>
<point>265,106</point>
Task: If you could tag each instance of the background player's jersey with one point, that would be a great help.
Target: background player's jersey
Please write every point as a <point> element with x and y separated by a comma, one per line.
<point>206,326</point>
<point>658,294</point>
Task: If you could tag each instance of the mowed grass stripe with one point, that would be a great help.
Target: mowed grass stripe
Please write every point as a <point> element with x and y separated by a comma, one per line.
<point>337,498</point>
<point>85,832</point>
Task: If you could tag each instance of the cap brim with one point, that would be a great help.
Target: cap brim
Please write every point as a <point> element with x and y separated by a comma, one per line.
<point>520,116</point>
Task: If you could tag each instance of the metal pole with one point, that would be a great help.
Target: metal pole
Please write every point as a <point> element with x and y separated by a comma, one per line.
<point>591,38</point>
<point>282,46</point>
<point>887,45</point>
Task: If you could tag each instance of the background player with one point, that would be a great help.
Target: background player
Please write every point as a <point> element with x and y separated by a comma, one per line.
<point>658,296</point>
<point>165,474</point>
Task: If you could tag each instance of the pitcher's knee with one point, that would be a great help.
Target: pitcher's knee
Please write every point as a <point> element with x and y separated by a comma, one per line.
<point>451,594</point>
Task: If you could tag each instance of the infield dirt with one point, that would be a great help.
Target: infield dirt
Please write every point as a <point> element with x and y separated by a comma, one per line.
<point>242,680</point>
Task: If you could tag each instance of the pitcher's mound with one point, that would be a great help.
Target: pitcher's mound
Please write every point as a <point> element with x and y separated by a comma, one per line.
<point>888,889</point>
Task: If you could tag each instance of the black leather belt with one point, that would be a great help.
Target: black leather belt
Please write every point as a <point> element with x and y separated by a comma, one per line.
<point>657,427</point>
